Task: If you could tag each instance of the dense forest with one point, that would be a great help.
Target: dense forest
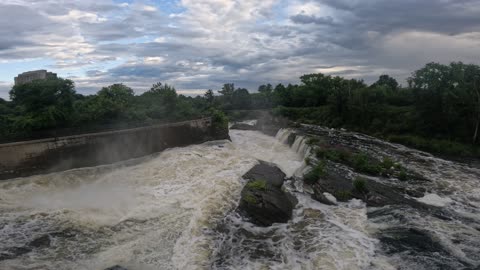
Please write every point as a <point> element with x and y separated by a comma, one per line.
<point>438,111</point>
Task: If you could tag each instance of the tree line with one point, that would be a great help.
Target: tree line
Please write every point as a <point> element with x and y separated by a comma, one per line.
<point>52,107</point>
<point>438,109</point>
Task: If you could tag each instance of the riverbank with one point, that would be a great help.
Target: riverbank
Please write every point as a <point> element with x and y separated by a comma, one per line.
<point>397,133</point>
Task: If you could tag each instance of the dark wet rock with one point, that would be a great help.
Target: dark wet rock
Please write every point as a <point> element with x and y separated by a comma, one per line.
<point>416,192</point>
<point>409,239</point>
<point>420,248</point>
<point>116,267</point>
<point>263,202</point>
<point>268,172</point>
<point>291,139</point>
<point>375,195</point>
<point>42,241</point>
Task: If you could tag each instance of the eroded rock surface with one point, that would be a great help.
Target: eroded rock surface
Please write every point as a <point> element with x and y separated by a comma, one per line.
<point>263,202</point>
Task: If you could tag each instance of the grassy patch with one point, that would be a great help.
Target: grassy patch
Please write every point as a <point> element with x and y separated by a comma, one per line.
<point>250,199</point>
<point>360,185</point>
<point>315,174</point>
<point>360,162</point>
<point>343,195</point>
<point>257,185</point>
<point>402,176</point>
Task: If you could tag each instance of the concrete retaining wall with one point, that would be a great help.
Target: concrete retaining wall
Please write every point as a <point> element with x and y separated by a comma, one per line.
<point>57,154</point>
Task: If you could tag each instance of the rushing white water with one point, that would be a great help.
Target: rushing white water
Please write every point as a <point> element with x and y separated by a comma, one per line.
<point>152,215</point>
<point>175,210</point>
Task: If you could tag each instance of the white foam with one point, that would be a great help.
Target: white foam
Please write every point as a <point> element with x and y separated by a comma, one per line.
<point>435,200</point>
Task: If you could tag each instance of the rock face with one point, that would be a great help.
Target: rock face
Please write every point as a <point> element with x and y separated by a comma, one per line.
<point>263,202</point>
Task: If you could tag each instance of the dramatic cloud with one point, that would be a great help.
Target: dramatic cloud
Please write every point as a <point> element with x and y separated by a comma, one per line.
<point>201,44</point>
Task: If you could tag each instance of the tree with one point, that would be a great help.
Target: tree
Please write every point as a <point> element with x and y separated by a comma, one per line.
<point>167,94</point>
<point>45,103</point>
<point>241,99</point>
<point>386,80</point>
<point>265,89</point>
<point>209,96</point>
<point>227,90</point>
<point>112,102</point>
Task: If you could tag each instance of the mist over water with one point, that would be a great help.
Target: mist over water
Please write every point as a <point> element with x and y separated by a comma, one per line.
<point>174,210</point>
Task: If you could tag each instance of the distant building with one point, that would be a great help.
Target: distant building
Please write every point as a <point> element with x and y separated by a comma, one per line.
<point>29,76</point>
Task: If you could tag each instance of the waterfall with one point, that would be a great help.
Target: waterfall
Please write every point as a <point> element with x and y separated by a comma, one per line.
<point>283,134</point>
<point>176,210</point>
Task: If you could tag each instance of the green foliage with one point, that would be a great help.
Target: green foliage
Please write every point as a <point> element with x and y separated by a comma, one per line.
<point>250,199</point>
<point>315,174</point>
<point>439,110</point>
<point>441,102</point>
<point>436,145</point>
<point>257,184</point>
<point>360,185</point>
<point>387,163</point>
<point>336,155</point>
<point>343,195</point>
<point>313,140</point>
<point>45,108</point>
<point>219,119</point>
<point>42,104</point>
<point>365,164</point>
<point>403,176</point>
<point>360,162</point>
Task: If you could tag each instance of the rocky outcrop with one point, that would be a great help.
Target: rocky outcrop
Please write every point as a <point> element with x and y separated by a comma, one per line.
<point>373,193</point>
<point>263,202</point>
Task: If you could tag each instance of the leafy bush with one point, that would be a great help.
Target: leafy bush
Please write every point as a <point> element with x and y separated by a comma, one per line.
<point>365,164</point>
<point>402,176</point>
<point>335,155</point>
<point>360,185</point>
<point>315,174</point>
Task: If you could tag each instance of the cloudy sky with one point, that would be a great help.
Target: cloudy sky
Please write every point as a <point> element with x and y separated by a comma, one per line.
<point>201,44</point>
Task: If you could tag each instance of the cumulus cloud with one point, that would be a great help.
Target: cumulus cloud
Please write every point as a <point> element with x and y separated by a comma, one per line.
<point>197,45</point>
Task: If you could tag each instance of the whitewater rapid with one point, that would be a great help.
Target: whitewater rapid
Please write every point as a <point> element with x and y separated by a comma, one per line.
<point>152,215</point>
<point>175,210</point>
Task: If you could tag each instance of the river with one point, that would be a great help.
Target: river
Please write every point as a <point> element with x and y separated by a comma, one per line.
<point>174,210</point>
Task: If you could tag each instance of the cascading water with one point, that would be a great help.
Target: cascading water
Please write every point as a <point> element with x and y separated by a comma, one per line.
<point>175,210</point>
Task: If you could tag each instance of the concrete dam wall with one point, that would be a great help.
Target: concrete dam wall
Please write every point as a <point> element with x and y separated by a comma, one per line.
<point>56,154</point>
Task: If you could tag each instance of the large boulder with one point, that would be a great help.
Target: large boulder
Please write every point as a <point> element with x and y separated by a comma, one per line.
<point>263,202</point>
